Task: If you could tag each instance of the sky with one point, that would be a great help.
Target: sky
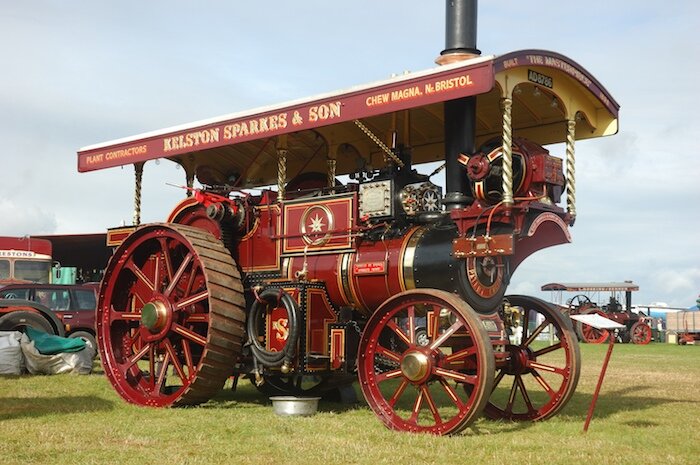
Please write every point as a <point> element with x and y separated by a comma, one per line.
<point>77,73</point>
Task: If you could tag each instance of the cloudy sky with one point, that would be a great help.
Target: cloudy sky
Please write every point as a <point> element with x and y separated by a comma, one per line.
<point>76,73</point>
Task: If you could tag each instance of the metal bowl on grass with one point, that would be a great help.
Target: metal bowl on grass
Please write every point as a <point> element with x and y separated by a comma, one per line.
<point>294,406</point>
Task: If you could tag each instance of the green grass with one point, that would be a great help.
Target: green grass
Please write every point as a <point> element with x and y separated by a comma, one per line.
<point>648,413</point>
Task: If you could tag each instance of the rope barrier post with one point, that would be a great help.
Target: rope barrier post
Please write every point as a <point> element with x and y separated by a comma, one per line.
<point>138,174</point>
<point>599,322</point>
<point>589,416</point>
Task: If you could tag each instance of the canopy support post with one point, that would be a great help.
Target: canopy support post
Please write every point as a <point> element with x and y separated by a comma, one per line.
<point>331,174</point>
<point>138,175</point>
<point>189,179</point>
<point>571,170</point>
<point>281,167</point>
<point>507,149</point>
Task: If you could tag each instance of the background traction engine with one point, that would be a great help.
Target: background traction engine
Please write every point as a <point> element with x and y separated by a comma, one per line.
<point>373,279</point>
<point>637,329</point>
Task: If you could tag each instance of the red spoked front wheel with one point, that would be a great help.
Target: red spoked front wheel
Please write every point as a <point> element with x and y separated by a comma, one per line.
<point>640,333</point>
<point>170,316</point>
<point>415,380</point>
<point>542,368</point>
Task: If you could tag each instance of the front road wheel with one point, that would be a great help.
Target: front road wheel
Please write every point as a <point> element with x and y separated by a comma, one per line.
<point>420,388</point>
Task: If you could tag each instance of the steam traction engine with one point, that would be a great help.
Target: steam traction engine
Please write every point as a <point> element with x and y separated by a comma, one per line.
<point>636,327</point>
<point>316,252</point>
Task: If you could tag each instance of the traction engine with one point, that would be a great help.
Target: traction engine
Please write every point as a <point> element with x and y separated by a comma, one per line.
<point>306,286</point>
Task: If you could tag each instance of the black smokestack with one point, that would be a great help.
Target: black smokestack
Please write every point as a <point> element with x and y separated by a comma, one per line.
<point>460,114</point>
<point>460,27</point>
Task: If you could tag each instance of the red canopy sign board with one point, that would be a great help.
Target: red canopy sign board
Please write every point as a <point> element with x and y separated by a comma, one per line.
<point>435,85</point>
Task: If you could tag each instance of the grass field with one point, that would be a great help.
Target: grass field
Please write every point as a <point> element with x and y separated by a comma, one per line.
<point>648,413</point>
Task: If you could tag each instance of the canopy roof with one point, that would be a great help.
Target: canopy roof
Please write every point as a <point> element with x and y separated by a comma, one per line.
<point>547,90</point>
<point>591,287</point>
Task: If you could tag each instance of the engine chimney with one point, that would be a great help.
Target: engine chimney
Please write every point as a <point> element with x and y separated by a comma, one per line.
<point>460,114</point>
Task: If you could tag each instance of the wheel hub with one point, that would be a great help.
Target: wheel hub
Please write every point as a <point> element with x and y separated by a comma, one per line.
<point>154,315</point>
<point>518,360</point>
<point>415,366</point>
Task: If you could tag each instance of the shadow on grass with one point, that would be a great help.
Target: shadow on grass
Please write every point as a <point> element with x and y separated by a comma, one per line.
<point>34,407</point>
<point>246,395</point>
<point>609,403</point>
<point>613,402</point>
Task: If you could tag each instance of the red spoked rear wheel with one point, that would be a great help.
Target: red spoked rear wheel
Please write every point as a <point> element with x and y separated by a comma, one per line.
<point>542,369</point>
<point>640,333</point>
<point>419,387</point>
<point>170,316</point>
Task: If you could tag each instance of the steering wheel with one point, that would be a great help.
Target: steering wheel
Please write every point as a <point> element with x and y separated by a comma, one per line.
<point>579,300</point>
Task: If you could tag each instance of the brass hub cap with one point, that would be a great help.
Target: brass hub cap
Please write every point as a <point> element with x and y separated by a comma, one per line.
<point>415,366</point>
<point>154,315</point>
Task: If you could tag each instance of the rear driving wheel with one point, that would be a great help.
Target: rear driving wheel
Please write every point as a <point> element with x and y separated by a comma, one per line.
<point>419,387</point>
<point>170,316</point>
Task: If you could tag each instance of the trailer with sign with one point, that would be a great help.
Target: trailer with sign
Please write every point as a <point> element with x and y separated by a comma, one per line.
<point>685,325</point>
<point>320,248</point>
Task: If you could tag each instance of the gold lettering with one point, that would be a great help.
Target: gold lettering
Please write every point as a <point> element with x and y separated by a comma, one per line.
<point>452,83</point>
<point>374,100</point>
<point>192,139</point>
<point>324,111</point>
<point>407,93</point>
<point>510,63</point>
<point>282,120</point>
<point>92,159</point>
<point>255,126</point>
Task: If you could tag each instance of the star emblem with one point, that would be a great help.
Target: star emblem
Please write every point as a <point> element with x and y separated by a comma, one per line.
<point>316,224</point>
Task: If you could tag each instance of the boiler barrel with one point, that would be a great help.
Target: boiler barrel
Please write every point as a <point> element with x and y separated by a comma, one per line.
<point>377,270</point>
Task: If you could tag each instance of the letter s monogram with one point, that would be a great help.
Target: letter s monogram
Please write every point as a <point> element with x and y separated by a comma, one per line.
<point>281,326</point>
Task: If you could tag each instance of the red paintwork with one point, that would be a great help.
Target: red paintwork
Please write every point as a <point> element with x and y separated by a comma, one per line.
<point>546,58</point>
<point>364,289</point>
<point>356,271</point>
<point>479,78</point>
<point>457,349</point>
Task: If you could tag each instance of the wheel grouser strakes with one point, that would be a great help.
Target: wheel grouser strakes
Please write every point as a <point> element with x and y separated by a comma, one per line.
<point>170,320</point>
